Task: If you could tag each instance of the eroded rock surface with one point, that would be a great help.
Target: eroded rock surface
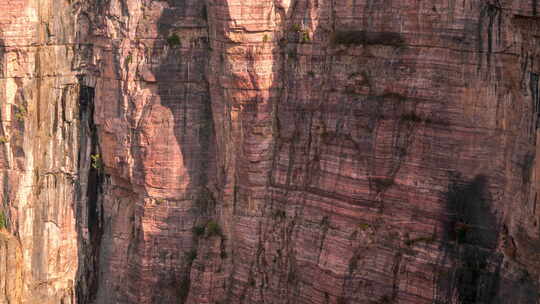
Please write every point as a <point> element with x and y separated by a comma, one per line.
<point>300,151</point>
<point>39,143</point>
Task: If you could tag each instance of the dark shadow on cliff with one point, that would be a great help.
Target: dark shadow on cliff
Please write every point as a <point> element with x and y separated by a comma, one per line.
<point>470,239</point>
<point>470,243</point>
<point>183,89</point>
<point>90,191</point>
<point>178,65</point>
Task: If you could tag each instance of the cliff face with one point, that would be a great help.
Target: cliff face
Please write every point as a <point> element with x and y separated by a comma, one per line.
<point>39,151</point>
<point>293,151</point>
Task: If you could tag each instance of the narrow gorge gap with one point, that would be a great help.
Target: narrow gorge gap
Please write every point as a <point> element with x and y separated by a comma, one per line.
<point>91,165</point>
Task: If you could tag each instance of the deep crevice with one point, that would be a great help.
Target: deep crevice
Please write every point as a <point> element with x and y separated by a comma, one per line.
<point>88,272</point>
<point>470,240</point>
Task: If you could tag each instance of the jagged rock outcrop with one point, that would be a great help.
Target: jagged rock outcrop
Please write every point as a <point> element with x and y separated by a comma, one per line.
<point>285,151</point>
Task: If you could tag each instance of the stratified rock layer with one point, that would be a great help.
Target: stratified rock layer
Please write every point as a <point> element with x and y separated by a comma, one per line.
<point>287,151</point>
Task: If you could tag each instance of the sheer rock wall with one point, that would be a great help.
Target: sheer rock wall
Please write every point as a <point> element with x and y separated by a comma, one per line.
<point>293,151</point>
<point>39,143</point>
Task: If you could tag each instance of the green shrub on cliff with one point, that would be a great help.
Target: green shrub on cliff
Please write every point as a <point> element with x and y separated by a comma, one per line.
<point>3,220</point>
<point>305,37</point>
<point>191,255</point>
<point>213,229</point>
<point>20,112</point>
<point>173,40</point>
<point>279,214</point>
<point>198,230</point>
<point>210,229</point>
<point>364,226</point>
<point>129,58</point>
<point>96,161</point>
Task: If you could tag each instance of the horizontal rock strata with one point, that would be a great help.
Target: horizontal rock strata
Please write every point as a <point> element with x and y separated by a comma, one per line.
<point>287,151</point>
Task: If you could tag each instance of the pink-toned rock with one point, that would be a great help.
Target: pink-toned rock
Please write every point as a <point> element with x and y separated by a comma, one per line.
<point>271,151</point>
<point>147,75</point>
<point>11,279</point>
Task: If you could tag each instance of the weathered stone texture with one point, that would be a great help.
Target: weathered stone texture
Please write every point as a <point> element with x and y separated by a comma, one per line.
<point>287,151</point>
<point>39,130</point>
<point>11,279</point>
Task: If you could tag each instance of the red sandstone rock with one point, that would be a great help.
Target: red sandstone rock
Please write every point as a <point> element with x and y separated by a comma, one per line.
<point>271,151</point>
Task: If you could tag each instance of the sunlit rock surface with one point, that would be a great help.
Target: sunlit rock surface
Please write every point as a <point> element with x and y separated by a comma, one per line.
<point>286,151</point>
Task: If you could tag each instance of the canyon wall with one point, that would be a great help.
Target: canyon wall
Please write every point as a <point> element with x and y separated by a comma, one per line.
<point>39,140</point>
<point>285,151</point>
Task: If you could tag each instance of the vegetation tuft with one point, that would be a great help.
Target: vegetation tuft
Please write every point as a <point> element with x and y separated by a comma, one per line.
<point>97,163</point>
<point>279,214</point>
<point>3,220</point>
<point>20,112</point>
<point>129,58</point>
<point>173,40</point>
<point>213,229</point>
<point>305,37</point>
<point>198,231</point>
<point>364,226</point>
